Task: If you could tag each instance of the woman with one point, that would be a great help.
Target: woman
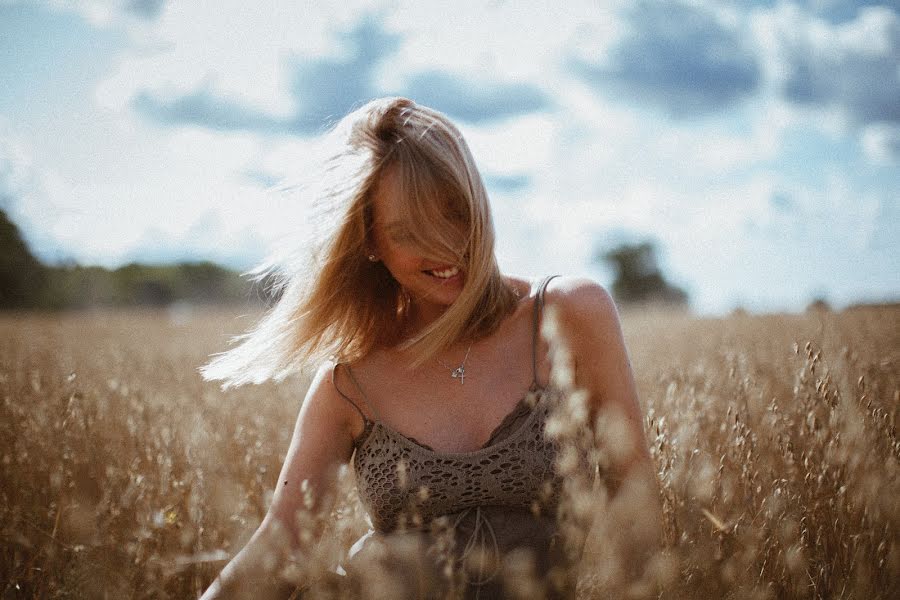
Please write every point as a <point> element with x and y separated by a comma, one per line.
<point>439,384</point>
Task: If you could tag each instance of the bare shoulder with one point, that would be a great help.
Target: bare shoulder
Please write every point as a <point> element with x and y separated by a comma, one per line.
<point>321,387</point>
<point>588,323</point>
<point>325,403</point>
<point>581,301</point>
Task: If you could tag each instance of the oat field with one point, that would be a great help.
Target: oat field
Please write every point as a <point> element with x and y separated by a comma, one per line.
<point>775,438</point>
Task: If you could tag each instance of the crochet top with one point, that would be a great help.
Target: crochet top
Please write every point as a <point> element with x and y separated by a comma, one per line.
<point>403,483</point>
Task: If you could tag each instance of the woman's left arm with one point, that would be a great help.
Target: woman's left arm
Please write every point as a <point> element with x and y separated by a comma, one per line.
<point>589,324</point>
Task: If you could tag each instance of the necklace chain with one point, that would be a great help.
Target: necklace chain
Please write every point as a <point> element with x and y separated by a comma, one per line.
<point>460,371</point>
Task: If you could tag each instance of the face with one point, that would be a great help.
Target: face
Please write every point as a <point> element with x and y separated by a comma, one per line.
<point>433,285</point>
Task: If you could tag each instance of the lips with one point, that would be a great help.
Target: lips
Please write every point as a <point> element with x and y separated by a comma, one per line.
<point>444,273</point>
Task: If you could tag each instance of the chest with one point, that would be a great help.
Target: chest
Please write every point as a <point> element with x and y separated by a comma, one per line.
<point>456,414</point>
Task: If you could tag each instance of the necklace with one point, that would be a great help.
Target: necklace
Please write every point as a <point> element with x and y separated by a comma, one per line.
<point>460,371</point>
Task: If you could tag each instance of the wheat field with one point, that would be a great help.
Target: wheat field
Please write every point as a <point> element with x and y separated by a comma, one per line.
<point>126,476</point>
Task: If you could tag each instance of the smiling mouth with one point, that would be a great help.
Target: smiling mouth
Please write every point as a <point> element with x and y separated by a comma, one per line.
<point>444,273</point>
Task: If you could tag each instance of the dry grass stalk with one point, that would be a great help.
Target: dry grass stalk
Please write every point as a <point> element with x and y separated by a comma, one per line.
<point>774,439</point>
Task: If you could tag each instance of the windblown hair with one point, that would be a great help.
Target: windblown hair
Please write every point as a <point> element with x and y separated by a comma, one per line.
<point>334,303</point>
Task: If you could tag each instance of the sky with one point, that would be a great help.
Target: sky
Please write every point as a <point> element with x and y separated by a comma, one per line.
<point>755,143</point>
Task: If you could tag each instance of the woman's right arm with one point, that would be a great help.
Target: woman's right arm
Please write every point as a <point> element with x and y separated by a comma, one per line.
<point>321,442</point>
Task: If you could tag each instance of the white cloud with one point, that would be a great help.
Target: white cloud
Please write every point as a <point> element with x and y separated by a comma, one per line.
<point>523,41</point>
<point>16,175</point>
<point>735,218</point>
<point>192,185</point>
<point>849,66</point>
<point>520,145</point>
<point>237,50</point>
<point>108,13</point>
<point>29,193</point>
<point>285,159</point>
<point>882,143</point>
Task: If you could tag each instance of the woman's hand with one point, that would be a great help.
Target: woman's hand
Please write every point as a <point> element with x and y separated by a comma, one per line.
<point>321,442</point>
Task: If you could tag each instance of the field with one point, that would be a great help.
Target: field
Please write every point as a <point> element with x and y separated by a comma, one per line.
<point>775,437</point>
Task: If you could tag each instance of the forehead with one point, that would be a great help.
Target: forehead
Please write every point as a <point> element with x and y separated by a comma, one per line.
<point>385,196</point>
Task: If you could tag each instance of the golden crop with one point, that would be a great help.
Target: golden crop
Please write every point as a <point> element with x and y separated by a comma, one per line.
<point>775,439</point>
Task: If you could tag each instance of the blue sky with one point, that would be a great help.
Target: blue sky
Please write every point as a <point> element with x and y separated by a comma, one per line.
<point>757,143</point>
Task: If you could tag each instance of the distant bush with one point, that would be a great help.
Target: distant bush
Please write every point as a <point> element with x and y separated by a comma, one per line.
<point>638,277</point>
<point>818,305</point>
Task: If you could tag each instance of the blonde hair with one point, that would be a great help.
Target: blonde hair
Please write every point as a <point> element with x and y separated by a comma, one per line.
<point>337,304</point>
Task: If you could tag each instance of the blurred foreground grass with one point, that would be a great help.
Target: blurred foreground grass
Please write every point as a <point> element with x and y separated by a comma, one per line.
<point>124,475</point>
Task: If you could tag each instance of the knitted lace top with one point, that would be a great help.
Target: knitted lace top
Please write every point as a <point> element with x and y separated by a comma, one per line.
<point>497,499</point>
<point>402,481</point>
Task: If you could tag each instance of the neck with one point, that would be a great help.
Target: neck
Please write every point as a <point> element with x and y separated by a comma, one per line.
<point>421,317</point>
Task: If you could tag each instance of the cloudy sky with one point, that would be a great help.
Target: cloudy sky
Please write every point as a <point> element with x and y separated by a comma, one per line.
<point>757,143</point>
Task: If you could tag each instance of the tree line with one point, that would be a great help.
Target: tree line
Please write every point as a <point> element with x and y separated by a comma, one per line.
<point>25,282</point>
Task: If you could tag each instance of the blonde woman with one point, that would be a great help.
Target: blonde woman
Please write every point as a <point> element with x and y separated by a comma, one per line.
<point>434,380</point>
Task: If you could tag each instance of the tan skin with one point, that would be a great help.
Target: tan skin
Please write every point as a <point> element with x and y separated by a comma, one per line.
<point>426,403</point>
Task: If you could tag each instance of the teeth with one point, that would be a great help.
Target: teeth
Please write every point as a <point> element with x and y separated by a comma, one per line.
<point>445,274</point>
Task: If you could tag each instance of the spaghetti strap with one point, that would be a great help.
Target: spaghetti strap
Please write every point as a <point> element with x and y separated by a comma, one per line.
<point>348,398</point>
<point>361,392</point>
<point>538,309</point>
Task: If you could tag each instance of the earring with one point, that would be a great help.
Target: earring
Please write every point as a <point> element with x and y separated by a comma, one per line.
<point>372,258</point>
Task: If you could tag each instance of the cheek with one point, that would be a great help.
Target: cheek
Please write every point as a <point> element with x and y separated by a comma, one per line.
<point>408,261</point>
<point>399,258</point>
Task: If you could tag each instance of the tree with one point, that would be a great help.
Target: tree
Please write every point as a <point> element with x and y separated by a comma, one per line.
<point>638,278</point>
<point>23,279</point>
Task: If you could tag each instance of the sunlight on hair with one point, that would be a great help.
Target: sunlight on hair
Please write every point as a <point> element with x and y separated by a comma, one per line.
<point>336,304</point>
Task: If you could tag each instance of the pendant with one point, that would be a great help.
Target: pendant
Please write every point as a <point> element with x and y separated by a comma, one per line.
<point>459,373</point>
